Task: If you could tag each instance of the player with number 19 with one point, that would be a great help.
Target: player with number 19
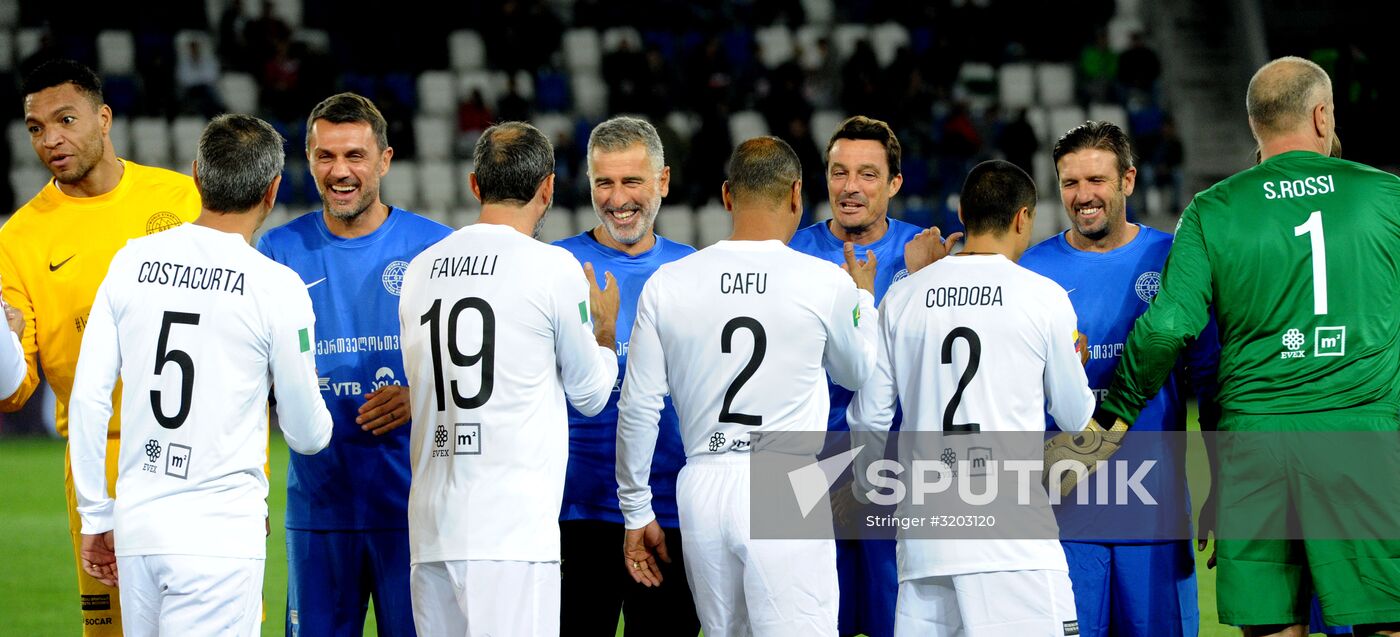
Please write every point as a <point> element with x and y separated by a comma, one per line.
<point>976,343</point>
<point>199,327</point>
<point>741,334</point>
<point>496,333</point>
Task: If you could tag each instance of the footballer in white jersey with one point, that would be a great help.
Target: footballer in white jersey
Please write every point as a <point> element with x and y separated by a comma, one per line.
<point>496,332</point>
<point>975,343</point>
<point>200,328</point>
<point>741,334</point>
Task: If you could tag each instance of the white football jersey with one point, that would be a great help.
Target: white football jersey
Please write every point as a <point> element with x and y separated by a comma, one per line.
<point>201,327</point>
<point>495,333</point>
<point>742,334</point>
<point>967,344</point>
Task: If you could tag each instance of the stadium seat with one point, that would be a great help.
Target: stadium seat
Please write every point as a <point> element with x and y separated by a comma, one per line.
<point>553,125</point>
<point>26,180</point>
<point>27,42</point>
<point>978,81</point>
<point>288,10</point>
<point>466,50</point>
<point>558,224</point>
<point>9,15</point>
<point>584,218</point>
<point>582,50</point>
<point>434,137</point>
<point>1046,181</point>
<point>240,92</point>
<point>1055,84</point>
<point>400,185</point>
<point>150,141</point>
<point>712,223</point>
<point>805,39</point>
<point>1049,220</point>
<point>590,95</point>
<point>745,125</point>
<point>437,94</point>
<point>436,186</point>
<point>460,180</point>
<point>614,37</point>
<point>775,45</point>
<point>845,37</point>
<point>886,39</point>
<point>1112,113</point>
<point>116,53</point>
<point>824,124</point>
<point>1062,119</point>
<point>7,49</point>
<point>684,123</point>
<point>1016,84</point>
<point>17,133</point>
<point>819,11</point>
<point>1039,119</point>
<point>316,40</point>
<point>121,136</point>
<point>185,132</point>
<point>676,222</point>
<point>1120,32</point>
<point>490,83</point>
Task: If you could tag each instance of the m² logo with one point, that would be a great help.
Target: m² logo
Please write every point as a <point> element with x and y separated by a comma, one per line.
<point>53,267</point>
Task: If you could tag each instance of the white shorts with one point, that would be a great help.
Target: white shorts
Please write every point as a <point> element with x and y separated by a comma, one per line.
<point>486,597</point>
<point>190,595</point>
<point>1003,603</point>
<point>743,586</point>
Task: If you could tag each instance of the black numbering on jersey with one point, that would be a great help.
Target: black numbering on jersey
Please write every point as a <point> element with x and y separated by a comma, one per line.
<point>974,346</point>
<point>486,355</point>
<point>182,359</point>
<point>760,345</point>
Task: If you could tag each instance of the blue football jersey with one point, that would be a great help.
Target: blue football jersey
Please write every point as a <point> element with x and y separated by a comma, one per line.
<point>818,241</point>
<point>361,480</point>
<point>590,486</point>
<point>1109,291</point>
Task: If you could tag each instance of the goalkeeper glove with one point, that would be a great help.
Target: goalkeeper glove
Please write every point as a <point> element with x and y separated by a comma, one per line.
<point>1086,448</point>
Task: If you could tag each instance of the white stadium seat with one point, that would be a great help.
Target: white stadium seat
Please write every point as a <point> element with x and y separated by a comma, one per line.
<point>400,185</point>
<point>1055,84</point>
<point>239,91</point>
<point>434,136</point>
<point>1111,113</point>
<point>713,223</point>
<point>582,50</point>
<point>1016,85</point>
<point>676,222</point>
<point>845,37</point>
<point>887,38</point>
<point>466,50</point>
<point>436,186</point>
<point>185,133</point>
<point>116,53</point>
<point>745,125</point>
<point>775,45</point>
<point>150,137</point>
<point>590,94</point>
<point>1062,119</point>
<point>437,93</point>
<point>614,37</point>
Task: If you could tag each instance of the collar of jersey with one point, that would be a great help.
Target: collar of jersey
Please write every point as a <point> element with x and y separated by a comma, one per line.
<point>123,185</point>
<point>1138,243</point>
<point>613,253</point>
<point>836,242</point>
<point>373,237</point>
<point>751,246</point>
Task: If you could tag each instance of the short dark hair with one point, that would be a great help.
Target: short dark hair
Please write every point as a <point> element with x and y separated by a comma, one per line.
<point>991,196</point>
<point>862,127</point>
<point>239,156</point>
<point>350,108</point>
<point>63,71</point>
<point>764,167</point>
<point>1105,136</point>
<point>512,159</point>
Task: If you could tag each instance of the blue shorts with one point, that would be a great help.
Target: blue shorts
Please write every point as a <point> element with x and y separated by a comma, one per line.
<point>868,574</point>
<point>1133,589</point>
<point>332,574</point>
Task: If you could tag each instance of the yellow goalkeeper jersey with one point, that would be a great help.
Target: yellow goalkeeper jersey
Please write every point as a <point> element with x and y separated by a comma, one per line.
<point>54,252</point>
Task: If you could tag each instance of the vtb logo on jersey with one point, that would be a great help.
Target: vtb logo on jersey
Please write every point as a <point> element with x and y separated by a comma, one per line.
<point>393,277</point>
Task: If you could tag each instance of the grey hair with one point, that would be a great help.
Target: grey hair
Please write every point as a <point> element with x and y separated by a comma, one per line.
<point>239,156</point>
<point>512,159</point>
<point>622,133</point>
<point>1283,92</point>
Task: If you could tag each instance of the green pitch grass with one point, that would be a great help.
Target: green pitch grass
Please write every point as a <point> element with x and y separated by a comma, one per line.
<point>37,580</point>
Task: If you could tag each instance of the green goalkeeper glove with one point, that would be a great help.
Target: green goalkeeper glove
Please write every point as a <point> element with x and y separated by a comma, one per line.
<point>1086,447</point>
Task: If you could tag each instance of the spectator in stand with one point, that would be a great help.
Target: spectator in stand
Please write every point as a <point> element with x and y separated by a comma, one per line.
<point>512,107</point>
<point>197,79</point>
<point>473,116</point>
<point>1139,67</point>
<point>624,71</point>
<point>1017,142</point>
<point>1098,68</point>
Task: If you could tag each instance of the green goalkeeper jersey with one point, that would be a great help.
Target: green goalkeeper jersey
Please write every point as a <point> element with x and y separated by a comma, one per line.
<point>1300,259</point>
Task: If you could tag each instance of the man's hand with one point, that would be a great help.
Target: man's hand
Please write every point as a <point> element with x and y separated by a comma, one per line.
<point>602,305</point>
<point>862,272</point>
<point>15,318</point>
<point>385,410</point>
<point>1205,526</point>
<point>641,548</point>
<point>1086,448</point>
<point>926,247</point>
<point>844,505</point>
<point>99,557</point>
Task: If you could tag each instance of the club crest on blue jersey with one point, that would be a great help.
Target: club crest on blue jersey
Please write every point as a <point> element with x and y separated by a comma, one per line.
<point>1147,285</point>
<point>393,276</point>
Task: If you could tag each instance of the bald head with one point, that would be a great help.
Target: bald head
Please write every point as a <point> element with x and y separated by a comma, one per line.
<point>1283,95</point>
<point>763,169</point>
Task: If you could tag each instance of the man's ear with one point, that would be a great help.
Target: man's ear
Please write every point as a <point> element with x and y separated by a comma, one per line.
<point>726,196</point>
<point>476,188</point>
<point>545,193</point>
